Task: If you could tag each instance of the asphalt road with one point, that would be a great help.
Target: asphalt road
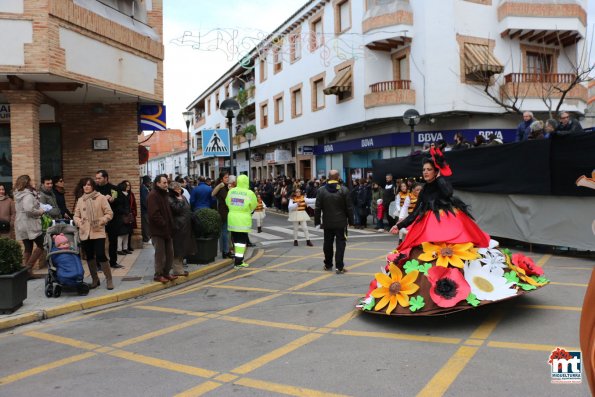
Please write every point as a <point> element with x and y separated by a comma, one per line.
<point>285,327</point>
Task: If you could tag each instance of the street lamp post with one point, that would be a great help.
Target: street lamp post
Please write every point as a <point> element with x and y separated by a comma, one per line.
<point>188,116</point>
<point>411,118</point>
<point>229,109</point>
<point>249,137</point>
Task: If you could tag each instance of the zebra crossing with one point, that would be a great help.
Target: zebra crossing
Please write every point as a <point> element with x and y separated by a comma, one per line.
<point>282,234</point>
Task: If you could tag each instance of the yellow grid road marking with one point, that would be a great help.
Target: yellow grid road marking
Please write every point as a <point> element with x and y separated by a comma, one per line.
<point>164,364</point>
<point>486,328</point>
<point>46,367</point>
<point>272,324</point>
<point>170,310</point>
<point>329,294</point>
<point>225,378</point>
<point>399,336</point>
<point>527,346</point>
<point>442,380</point>
<point>62,340</point>
<point>474,342</point>
<point>569,284</point>
<point>200,389</point>
<point>284,389</point>
<point>546,307</point>
<point>543,260</point>
<point>343,319</point>
<point>242,288</point>
<point>160,332</point>
<point>310,282</point>
<point>249,304</point>
<point>275,354</point>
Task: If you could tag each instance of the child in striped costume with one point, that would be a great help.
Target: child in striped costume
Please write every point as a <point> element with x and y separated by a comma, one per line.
<point>412,202</point>
<point>259,212</point>
<point>299,216</point>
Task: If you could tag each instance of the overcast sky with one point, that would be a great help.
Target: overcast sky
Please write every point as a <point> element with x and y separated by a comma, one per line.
<point>188,72</point>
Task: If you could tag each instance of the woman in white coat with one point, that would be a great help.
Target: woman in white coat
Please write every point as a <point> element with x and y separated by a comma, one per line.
<point>299,216</point>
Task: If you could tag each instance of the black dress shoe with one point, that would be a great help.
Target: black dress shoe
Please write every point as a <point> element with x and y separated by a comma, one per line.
<point>122,253</point>
<point>250,245</point>
<point>116,266</point>
<point>129,251</point>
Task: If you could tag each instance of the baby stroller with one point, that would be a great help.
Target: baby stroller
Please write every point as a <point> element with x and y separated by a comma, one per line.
<point>67,277</point>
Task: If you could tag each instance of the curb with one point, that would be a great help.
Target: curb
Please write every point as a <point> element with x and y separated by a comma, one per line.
<point>44,314</point>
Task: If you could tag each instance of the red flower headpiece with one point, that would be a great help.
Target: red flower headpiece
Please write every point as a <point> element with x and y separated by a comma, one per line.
<point>440,162</point>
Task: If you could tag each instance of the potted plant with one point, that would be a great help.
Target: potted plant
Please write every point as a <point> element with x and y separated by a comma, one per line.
<point>13,276</point>
<point>206,228</point>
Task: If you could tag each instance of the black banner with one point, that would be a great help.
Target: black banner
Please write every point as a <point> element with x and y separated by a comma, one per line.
<point>541,167</point>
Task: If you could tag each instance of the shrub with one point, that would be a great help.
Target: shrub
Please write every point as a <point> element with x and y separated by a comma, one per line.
<point>11,256</point>
<point>207,223</point>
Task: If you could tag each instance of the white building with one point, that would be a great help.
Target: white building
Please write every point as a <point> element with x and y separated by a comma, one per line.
<point>328,88</point>
<point>172,164</point>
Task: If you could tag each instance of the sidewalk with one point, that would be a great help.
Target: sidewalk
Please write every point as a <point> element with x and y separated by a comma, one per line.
<point>132,281</point>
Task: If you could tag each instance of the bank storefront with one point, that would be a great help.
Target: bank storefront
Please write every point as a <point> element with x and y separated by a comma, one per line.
<point>353,158</point>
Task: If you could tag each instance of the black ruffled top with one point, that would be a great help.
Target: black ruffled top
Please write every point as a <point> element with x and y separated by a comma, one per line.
<point>435,196</point>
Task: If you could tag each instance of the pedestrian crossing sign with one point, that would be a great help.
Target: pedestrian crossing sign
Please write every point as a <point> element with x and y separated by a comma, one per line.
<point>215,142</point>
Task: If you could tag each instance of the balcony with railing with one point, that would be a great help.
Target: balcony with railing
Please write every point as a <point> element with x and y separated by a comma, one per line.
<point>542,85</point>
<point>393,92</point>
<point>382,14</point>
<point>557,22</point>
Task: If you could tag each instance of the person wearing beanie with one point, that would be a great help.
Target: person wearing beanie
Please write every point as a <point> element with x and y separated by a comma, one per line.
<point>61,242</point>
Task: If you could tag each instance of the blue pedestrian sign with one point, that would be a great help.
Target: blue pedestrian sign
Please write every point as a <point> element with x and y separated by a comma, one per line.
<point>215,142</point>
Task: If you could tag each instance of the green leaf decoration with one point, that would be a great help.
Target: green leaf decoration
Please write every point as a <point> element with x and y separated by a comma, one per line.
<point>411,266</point>
<point>472,300</point>
<point>511,277</point>
<point>507,252</point>
<point>416,303</point>
<point>540,279</point>
<point>370,305</point>
<point>527,287</point>
<point>424,268</point>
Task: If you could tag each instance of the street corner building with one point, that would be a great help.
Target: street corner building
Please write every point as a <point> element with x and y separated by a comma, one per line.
<point>73,75</point>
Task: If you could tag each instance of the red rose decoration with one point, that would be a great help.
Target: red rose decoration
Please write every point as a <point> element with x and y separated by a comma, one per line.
<point>527,264</point>
<point>449,287</point>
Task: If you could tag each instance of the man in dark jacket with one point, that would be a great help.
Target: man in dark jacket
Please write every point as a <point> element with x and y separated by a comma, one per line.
<point>523,129</point>
<point>46,196</point>
<point>334,204</point>
<point>568,125</point>
<point>388,197</point>
<point>58,190</point>
<point>161,226</point>
<point>116,201</point>
<point>201,195</point>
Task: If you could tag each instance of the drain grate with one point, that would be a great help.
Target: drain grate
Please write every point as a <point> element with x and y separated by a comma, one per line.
<point>131,278</point>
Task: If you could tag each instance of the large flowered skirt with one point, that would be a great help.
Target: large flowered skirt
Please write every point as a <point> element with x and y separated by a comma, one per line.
<point>447,266</point>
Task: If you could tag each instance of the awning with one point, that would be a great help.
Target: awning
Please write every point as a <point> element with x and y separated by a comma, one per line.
<point>341,83</point>
<point>479,60</point>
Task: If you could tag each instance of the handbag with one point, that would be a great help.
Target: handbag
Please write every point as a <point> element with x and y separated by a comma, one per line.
<point>4,227</point>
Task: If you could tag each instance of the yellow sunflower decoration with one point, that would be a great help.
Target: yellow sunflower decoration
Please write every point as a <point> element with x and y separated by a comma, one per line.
<point>448,254</point>
<point>523,275</point>
<point>394,289</point>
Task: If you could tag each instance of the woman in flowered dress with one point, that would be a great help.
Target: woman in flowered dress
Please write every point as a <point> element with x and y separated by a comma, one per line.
<point>446,262</point>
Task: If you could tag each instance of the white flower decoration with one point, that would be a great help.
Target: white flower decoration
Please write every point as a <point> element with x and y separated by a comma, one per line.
<point>487,285</point>
<point>493,258</point>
